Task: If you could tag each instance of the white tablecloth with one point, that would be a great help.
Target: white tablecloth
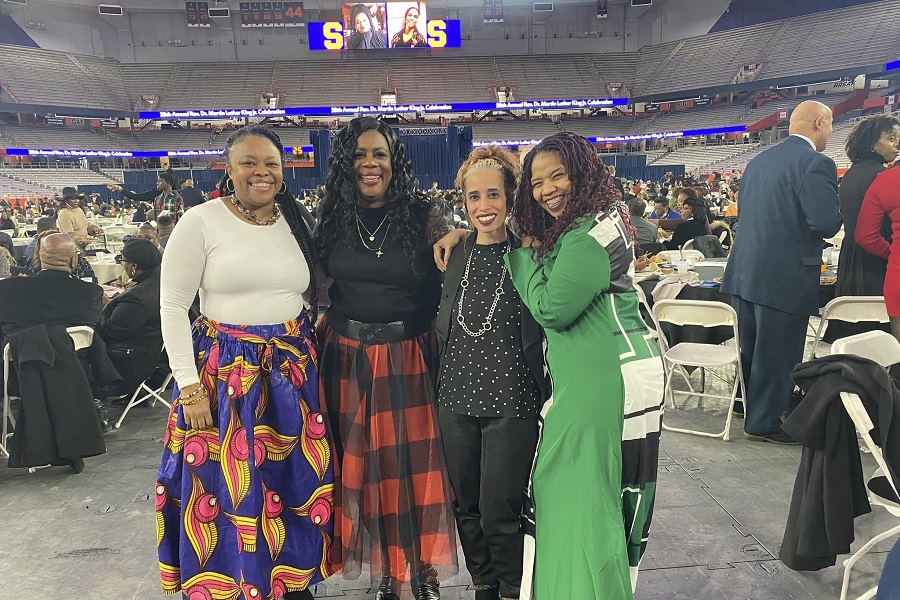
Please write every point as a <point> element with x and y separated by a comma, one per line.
<point>106,270</point>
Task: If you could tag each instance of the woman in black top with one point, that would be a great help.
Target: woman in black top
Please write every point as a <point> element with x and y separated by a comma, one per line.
<point>492,381</point>
<point>379,364</point>
<point>365,34</point>
<point>130,323</point>
<point>871,144</point>
<point>696,223</point>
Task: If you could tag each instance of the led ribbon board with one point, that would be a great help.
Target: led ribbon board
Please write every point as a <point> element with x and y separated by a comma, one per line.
<point>129,153</point>
<point>312,111</point>
<point>627,138</point>
<point>331,35</point>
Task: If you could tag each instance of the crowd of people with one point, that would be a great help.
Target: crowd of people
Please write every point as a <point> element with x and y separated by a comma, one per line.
<point>480,374</point>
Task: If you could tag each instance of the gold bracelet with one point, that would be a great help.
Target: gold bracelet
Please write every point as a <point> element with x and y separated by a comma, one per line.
<point>200,397</point>
<point>194,393</point>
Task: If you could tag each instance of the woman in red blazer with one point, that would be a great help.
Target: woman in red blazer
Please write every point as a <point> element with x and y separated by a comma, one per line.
<point>883,200</point>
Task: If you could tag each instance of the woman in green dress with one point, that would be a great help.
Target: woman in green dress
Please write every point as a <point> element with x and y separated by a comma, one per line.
<point>597,456</point>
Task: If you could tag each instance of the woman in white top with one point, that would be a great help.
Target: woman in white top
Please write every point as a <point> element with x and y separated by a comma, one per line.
<point>244,492</point>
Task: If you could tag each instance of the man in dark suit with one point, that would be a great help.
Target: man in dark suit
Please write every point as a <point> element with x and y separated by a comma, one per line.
<point>53,296</point>
<point>190,195</point>
<point>789,204</point>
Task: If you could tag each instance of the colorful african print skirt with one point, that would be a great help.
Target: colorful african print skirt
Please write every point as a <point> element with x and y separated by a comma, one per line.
<point>245,509</point>
<point>393,502</point>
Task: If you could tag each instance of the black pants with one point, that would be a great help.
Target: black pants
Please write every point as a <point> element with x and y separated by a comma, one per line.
<point>489,461</point>
<point>771,345</point>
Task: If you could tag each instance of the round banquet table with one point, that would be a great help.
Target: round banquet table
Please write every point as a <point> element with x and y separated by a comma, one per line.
<point>106,270</point>
<point>708,270</point>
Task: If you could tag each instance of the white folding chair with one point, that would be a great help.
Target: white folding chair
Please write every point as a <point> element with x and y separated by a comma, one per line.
<point>853,309</point>
<point>147,393</point>
<point>723,239</point>
<point>689,354</point>
<point>673,255</point>
<point>82,337</point>
<point>884,349</point>
<point>7,412</point>
<point>688,244</point>
<point>113,236</point>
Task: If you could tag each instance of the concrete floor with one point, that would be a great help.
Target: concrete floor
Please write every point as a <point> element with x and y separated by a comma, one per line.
<point>719,521</point>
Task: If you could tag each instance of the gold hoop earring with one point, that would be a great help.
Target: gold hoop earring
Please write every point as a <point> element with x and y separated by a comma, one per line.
<point>284,188</point>
<point>227,181</point>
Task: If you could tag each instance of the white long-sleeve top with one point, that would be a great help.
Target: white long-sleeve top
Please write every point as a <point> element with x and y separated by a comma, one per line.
<point>246,274</point>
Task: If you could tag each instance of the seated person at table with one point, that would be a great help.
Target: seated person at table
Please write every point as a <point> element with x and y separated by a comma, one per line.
<point>53,296</point>
<point>130,323</point>
<point>646,231</point>
<point>140,212</point>
<point>661,209</point>
<point>164,226</point>
<point>696,223</point>
<point>8,224</point>
<point>43,224</point>
<point>83,270</point>
<point>148,232</point>
<point>71,218</point>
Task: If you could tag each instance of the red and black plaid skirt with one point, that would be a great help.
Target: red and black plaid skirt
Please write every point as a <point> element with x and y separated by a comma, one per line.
<point>393,501</point>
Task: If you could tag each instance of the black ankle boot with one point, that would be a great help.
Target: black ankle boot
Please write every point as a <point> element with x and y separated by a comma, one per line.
<point>430,590</point>
<point>386,590</point>
<point>304,595</point>
<point>103,416</point>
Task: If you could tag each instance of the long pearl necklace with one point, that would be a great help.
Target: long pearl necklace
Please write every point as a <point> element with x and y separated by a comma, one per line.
<point>464,284</point>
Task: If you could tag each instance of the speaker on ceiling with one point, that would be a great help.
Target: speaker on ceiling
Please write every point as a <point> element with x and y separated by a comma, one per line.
<point>641,2</point>
<point>543,7</point>
<point>110,9</point>
<point>220,13</point>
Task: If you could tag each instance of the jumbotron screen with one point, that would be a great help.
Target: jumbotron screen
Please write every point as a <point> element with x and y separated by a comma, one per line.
<point>383,25</point>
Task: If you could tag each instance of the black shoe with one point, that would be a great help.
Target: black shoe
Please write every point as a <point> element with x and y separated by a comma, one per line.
<point>304,595</point>
<point>487,592</point>
<point>386,590</point>
<point>738,409</point>
<point>102,416</point>
<point>780,438</point>
<point>430,590</point>
<point>77,465</point>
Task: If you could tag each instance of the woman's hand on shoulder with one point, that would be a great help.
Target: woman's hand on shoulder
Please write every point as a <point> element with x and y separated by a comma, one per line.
<point>444,247</point>
<point>530,242</point>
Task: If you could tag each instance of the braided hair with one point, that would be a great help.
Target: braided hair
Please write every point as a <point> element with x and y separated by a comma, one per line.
<point>337,210</point>
<point>289,207</point>
<point>592,192</point>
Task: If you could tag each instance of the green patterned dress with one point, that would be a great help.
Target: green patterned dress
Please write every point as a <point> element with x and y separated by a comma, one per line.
<point>594,477</point>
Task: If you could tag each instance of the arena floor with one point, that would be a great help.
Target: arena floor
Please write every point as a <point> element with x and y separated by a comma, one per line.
<point>717,529</point>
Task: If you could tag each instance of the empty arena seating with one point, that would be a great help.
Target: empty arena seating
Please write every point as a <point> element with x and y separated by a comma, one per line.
<point>17,188</point>
<point>513,130</point>
<point>330,82</point>
<point>817,43</point>
<point>695,157</point>
<point>697,118</point>
<point>55,178</point>
<point>58,137</point>
<point>427,81</point>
